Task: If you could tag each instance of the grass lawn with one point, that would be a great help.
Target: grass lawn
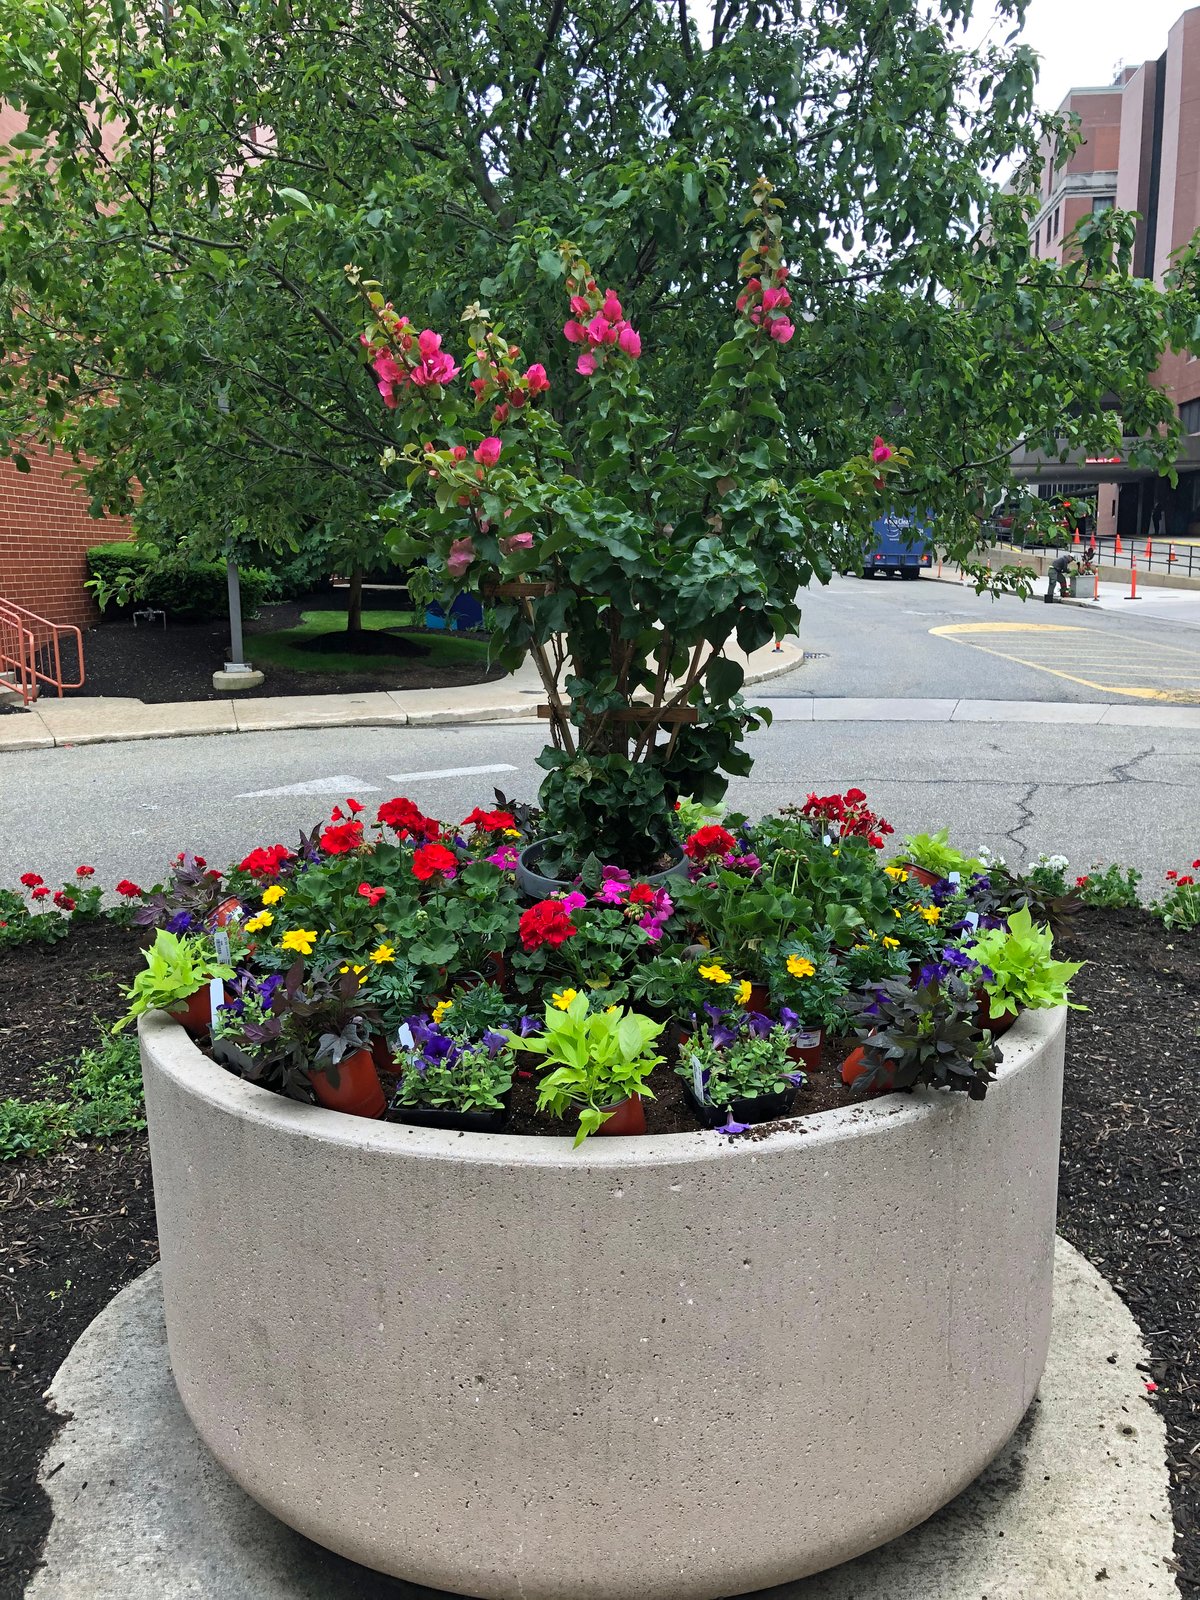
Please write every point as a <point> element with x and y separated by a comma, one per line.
<point>285,648</point>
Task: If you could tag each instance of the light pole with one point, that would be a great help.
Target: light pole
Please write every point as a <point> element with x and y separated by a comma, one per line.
<point>238,675</point>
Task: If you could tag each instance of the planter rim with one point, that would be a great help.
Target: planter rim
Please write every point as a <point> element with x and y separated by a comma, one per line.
<point>181,1060</point>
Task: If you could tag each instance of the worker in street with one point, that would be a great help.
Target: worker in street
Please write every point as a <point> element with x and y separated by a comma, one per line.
<point>1061,569</point>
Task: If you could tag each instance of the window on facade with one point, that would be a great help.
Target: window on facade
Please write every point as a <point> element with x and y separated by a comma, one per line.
<point>1100,206</point>
<point>1054,232</point>
<point>1189,415</point>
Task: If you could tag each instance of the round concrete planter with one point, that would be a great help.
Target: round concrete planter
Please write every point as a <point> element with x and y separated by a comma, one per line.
<point>674,1368</point>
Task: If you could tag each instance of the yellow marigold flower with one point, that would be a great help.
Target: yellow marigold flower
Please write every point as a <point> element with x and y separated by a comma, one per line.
<point>715,974</point>
<point>897,874</point>
<point>799,967</point>
<point>385,952</point>
<point>932,913</point>
<point>512,833</point>
<point>440,1010</point>
<point>273,895</point>
<point>743,991</point>
<point>890,944</point>
<point>564,997</point>
<point>264,919</point>
<point>300,940</point>
<point>896,911</point>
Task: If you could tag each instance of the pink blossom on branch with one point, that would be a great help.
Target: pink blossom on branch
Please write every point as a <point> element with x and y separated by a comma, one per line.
<point>574,333</point>
<point>586,364</point>
<point>880,451</point>
<point>459,452</point>
<point>630,342</point>
<point>536,380</point>
<point>781,330</point>
<point>612,307</point>
<point>487,451</point>
<point>775,299</point>
<point>462,553</point>
<point>516,542</point>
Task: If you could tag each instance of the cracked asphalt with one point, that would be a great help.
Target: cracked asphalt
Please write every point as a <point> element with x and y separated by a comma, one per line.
<point>1093,793</point>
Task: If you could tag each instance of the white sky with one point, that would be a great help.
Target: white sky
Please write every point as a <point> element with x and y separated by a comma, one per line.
<point>1081,42</point>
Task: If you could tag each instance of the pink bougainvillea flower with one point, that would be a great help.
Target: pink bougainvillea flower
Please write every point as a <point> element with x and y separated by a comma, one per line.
<point>597,329</point>
<point>880,451</point>
<point>573,332</point>
<point>516,542</point>
<point>586,364</point>
<point>462,553</point>
<point>428,343</point>
<point>487,451</point>
<point>580,306</point>
<point>781,330</point>
<point>775,299</point>
<point>630,341</point>
<point>480,386</point>
<point>386,369</point>
<point>500,415</point>
<point>517,398</point>
<point>536,380</point>
<point>459,452</point>
<point>612,307</point>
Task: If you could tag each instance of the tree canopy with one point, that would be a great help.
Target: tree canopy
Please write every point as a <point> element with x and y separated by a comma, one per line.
<point>192,184</point>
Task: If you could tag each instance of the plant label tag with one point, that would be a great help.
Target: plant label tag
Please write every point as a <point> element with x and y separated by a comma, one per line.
<point>827,840</point>
<point>972,919</point>
<point>809,1039</point>
<point>698,1080</point>
<point>954,877</point>
<point>216,994</point>
<point>221,945</point>
<point>404,1037</point>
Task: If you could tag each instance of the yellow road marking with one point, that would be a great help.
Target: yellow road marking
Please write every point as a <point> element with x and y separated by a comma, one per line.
<point>1107,655</point>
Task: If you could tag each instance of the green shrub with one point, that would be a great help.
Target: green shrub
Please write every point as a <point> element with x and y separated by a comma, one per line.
<point>101,1097</point>
<point>32,1127</point>
<point>132,573</point>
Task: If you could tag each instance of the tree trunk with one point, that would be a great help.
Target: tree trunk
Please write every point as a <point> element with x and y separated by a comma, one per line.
<point>354,602</point>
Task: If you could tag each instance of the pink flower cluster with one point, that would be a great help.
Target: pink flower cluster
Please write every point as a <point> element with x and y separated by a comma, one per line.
<point>423,363</point>
<point>766,305</point>
<point>497,378</point>
<point>651,907</point>
<point>606,326</point>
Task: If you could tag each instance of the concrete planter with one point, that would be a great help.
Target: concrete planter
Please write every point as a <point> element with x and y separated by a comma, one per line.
<point>674,1368</point>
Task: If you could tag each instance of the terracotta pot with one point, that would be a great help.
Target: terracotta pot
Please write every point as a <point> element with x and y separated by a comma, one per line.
<point>381,1054</point>
<point>807,1050</point>
<point>195,1013</point>
<point>855,1065</point>
<point>358,1090</point>
<point>921,875</point>
<point>997,1022</point>
<point>628,1117</point>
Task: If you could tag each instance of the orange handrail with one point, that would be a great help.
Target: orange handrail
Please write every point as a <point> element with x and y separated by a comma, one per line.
<point>31,652</point>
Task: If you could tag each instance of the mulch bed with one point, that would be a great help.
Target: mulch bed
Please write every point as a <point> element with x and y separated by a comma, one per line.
<point>1129,1191</point>
<point>157,664</point>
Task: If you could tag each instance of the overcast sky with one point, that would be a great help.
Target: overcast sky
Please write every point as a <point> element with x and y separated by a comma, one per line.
<point>1081,42</point>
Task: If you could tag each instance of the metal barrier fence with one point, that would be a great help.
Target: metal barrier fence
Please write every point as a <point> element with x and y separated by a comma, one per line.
<point>1150,555</point>
<point>31,652</point>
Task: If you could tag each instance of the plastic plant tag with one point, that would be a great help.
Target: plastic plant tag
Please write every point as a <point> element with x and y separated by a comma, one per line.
<point>216,992</point>
<point>954,877</point>
<point>404,1037</point>
<point>827,840</point>
<point>809,1039</point>
<point>698,1080</point>
<point>972,919</point>
<point>221,945</point>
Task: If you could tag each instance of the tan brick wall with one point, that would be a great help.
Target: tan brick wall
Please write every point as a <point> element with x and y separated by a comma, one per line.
<point>44,530</point>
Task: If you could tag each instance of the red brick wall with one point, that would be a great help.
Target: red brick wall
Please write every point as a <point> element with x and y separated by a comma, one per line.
<point>44,530</point>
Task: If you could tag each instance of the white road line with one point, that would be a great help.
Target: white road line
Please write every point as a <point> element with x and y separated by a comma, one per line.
<point>342,783</point>
<point>449,772</point>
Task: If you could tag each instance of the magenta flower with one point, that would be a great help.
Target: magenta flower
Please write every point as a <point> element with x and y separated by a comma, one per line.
<point>611,892</point>
<point>612,307</point>
<point>462,553</point>
<point>579,306</point>
<point>515,542</point>
<point>630,341</point>
<point>459,452</point>
<point>880,451</point>
<point>586,364</point>
<point>573,902</point>
<point>781,330</point>
<point>573,332</point>
<point>775,299</point>
<point>536,380</point>
<point>487,451</point>
<point>505,858</point>
<point>598,329</point>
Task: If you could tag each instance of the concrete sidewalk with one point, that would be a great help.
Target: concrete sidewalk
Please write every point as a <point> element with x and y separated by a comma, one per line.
<point>101,720</point>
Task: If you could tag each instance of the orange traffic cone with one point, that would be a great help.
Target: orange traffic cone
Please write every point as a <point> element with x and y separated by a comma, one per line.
<point>1117,546</point>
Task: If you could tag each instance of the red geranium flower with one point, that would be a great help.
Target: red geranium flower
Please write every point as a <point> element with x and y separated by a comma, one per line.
<point>341,837</point>
<point>641,895</point>
<point>63,901</point>
<point>40,893</point>
<point>353,807</point>
<point>31,880</point>
<point>1186,880</point>
<point>489,821</point>
<point>407,820</point>
<point>1171,876</point>
<point>545,923</point>
<point>129,889</point>
<point>1195,865</point>
<point>710,841</point>
<point>374,896</point>
<point>429,859</point>
<point>84,872</point>
<point>264,862</point>
<point>1080,882</point>
<point>854,797</point>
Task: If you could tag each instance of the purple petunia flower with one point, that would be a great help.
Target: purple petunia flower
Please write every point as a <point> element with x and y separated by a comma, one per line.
<point>181,922</point>
<point>790,1019</point>
<point>494,1042</point>
<point>798,1078</point>
<point>731,1127</point>
<point>530,1025</point>
<point>758,1024</point>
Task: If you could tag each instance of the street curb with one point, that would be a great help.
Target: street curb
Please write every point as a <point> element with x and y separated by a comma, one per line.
<point>222,715</point>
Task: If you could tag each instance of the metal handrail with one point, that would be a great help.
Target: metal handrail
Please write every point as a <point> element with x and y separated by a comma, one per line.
<point>1150,555</point>
<point>31,652</point>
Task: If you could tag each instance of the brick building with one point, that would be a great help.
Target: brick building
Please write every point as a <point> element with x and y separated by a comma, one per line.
<point>1140,151</point>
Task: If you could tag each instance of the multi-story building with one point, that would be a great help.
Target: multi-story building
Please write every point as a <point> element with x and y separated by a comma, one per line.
<point>1139,150</point>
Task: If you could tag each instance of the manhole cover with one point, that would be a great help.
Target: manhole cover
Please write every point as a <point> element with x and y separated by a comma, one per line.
<point>816,655</point>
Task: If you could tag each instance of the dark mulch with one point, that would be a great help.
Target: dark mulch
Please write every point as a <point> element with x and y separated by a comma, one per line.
<point>1128,1195</point>
<point>74,1228</point>
<point>157,664</point>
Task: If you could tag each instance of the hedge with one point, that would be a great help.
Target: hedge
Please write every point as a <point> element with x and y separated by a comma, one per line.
<point>194,590</point>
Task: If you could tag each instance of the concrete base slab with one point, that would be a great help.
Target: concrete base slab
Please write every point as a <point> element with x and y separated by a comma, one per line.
<point>1076,1504</point>
<point>238,682</point>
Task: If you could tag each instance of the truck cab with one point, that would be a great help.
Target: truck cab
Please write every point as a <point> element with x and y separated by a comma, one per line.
<point>898,544</point>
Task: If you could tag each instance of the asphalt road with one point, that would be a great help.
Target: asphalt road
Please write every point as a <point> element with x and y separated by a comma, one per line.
<point>1091,792</point>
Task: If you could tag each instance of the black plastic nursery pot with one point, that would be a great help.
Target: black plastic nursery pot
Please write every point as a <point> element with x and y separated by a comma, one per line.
<point>537,886</point>
<point>761,1108</point>
<point>441,1117</point>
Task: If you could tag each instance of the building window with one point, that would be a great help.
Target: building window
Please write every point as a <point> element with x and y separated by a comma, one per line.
<point>1100,206</point>
<point>1189,415</point>
<point>1054,232</point>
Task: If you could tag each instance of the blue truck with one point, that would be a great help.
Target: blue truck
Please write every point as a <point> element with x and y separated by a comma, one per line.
<point>899,544</point>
